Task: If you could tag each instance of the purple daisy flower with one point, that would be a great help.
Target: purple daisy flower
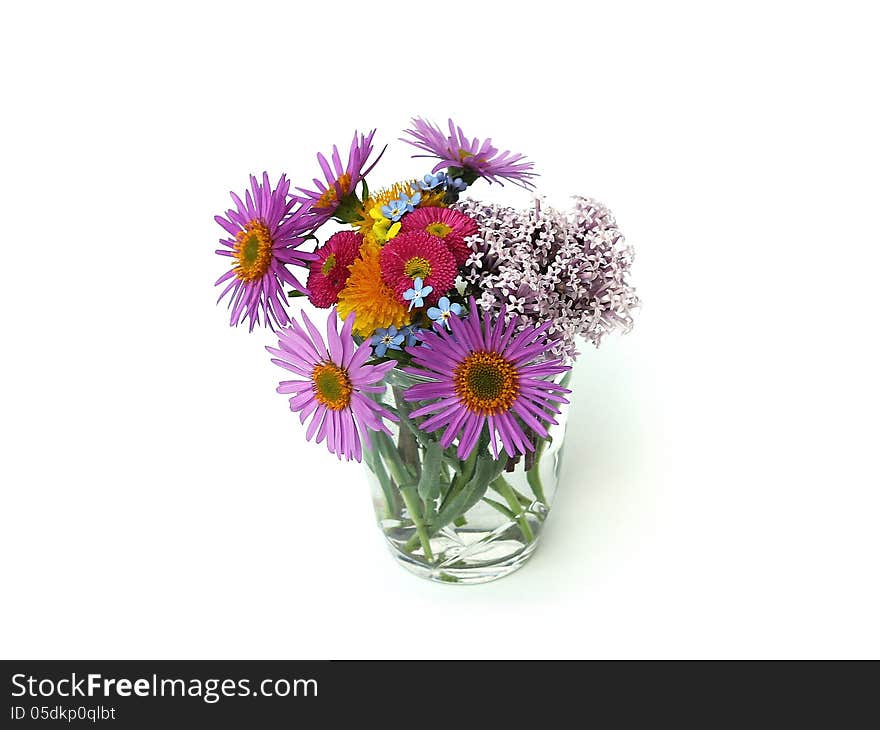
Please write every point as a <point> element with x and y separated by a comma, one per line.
<point>332,381</point>
<point>484,374</point>
<point>266,229</point>
<point>457,151</point>
<point>339,182</point>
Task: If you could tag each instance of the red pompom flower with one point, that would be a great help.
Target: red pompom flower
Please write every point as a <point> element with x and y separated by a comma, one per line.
<point>416,254</point>
<point>329,272</point>
<point>451,226</point>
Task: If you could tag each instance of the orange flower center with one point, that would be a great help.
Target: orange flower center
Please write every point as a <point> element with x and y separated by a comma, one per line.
<point>329,198</point>
<point>253,251</point>
<point>486,383</point>
<point>331,386</point>
<point>441,230</point>
<point>417,267</point>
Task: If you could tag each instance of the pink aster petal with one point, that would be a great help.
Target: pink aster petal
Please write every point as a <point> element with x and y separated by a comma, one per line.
<point>357,168</point>
<point>263,299</point>
<point>303,349</point>
<point>456,150</point>
<point>438,358</point>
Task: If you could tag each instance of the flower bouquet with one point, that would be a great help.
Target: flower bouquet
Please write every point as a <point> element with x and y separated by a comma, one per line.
<point>452,328</point>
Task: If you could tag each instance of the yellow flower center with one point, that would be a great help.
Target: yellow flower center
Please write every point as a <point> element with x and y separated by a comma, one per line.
<point>486,383</point>
<point>329,264</point>
<point>467,157</point>
<point>331,386</point>
<point>417,267</point>
<point>441,230</point>
<point>329,197</point>
<point>253,251</point>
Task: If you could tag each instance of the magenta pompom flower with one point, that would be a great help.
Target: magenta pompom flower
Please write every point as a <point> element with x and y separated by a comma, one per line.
<point>483,375</point>
<point>449,225</point>
<point>266,229</point>
<point>329,271</point>
<point>417,255</point>
<point>339,181</point>
<point>456,150</point>
<point>331,385</point>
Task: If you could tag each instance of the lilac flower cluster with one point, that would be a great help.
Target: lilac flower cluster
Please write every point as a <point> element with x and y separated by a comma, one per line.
<point>569,268</point>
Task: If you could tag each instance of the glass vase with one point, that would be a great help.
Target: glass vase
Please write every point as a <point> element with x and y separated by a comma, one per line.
<point>453,520</point>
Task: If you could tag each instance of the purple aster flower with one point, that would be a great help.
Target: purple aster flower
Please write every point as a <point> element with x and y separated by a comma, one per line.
<point>266,229</point>
<point>332,380</point>
<point>480,159</point>
<point>483,374</point>
<point>339,182</point>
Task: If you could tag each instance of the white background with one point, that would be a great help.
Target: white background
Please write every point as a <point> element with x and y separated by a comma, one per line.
<point>720,495</point>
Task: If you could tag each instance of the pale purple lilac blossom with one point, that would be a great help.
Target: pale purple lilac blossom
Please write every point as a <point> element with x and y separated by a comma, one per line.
<point>568,269</point>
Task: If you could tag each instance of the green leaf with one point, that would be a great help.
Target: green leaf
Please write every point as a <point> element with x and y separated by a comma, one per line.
<point>424,439</point>
<point>500,507</point>
<point>293,293</point>
<point>453,461</point>
<point>365,191</point>
<point>486,472</point>
<point>430,482</point>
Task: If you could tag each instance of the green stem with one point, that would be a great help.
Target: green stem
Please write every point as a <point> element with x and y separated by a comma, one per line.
<point>410,544</point>
<point>374,462</point>
<point>407,446</point>
<point>533,475</point>
<point>501,486</point>
<point>500,507</point>
<point>460,481</point>
<point>398,469</point>
<point>411,501</point>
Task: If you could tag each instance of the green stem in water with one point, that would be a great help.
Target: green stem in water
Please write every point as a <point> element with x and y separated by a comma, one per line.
<point>407,446</point>
<point>460,481</point>
<point>533,475</point>
<point>374,462</point>
<point>501,486</point>
<point>412,506</point>
<point>398,469</point>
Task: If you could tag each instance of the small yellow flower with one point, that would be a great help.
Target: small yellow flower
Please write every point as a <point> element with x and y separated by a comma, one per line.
<point>383,229</point>
<point>370,218</point>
